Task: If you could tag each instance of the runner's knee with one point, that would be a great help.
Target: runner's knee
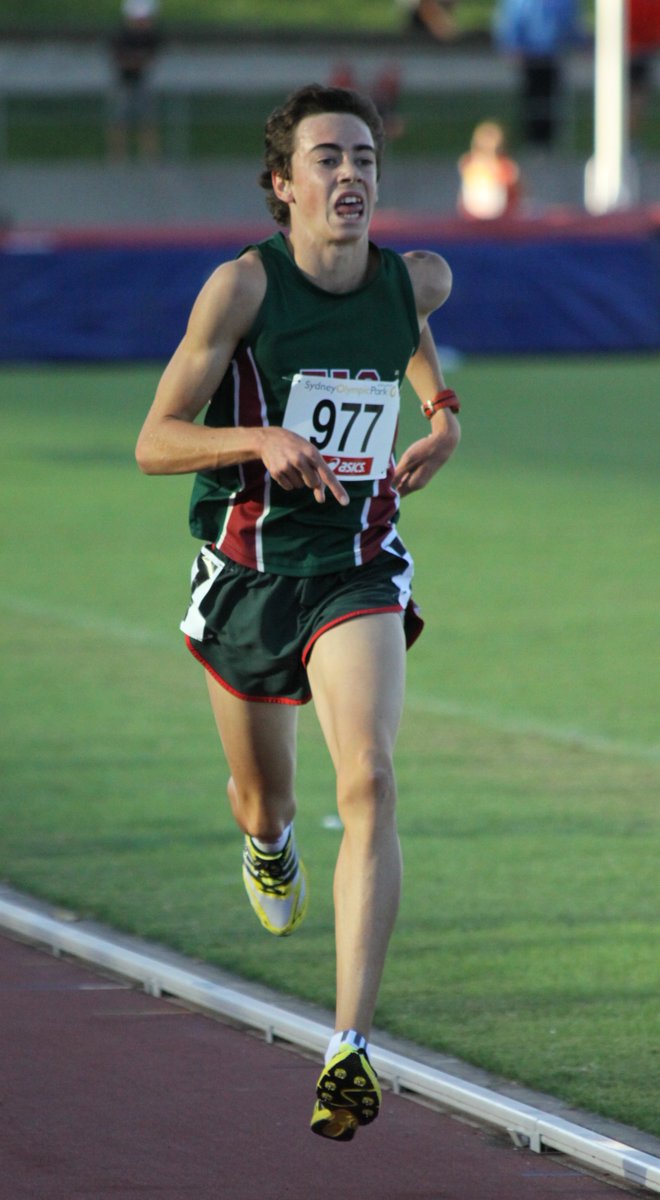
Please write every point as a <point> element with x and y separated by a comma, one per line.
<point>366,788</point>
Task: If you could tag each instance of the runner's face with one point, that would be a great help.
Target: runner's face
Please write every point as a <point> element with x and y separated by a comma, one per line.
<point>333,185</point>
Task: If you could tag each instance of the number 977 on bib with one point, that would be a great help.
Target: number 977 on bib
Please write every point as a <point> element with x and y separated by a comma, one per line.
<point>352,422</point>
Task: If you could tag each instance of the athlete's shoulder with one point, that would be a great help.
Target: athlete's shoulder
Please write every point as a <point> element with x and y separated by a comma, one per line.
<point>241,279</point>
<point>234,292</point>
<point>431,278</point>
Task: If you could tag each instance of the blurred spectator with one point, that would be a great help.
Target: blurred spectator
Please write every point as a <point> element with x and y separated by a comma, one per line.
<point>643,45</point>
<point>386,95</point>
<point>343,76</point>
<point>385,91</point>
<point>433,17</point>
<point>490,179</point>
<point>133,107</point>
<point>537,32</point>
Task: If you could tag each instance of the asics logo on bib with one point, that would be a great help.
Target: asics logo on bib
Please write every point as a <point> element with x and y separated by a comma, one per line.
<point>349,466</point>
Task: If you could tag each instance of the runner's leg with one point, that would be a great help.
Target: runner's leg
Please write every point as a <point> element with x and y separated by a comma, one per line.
<point>259,742</point>
<point>357,673</point>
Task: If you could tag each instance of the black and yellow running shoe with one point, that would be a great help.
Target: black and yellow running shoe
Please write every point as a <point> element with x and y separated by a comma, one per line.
<point>348,1095</point>
<point>276,885</point>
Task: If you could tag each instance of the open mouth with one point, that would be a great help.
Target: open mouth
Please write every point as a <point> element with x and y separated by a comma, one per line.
<point>350,206</point>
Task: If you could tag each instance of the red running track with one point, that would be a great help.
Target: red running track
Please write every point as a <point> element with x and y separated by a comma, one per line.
<point>108,1092</point>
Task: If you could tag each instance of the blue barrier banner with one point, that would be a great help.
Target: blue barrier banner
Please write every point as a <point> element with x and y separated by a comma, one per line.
<point>580,286</point>
<point>563,297</point>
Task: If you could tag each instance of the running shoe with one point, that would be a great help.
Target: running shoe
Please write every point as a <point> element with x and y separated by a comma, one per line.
<point>276,885</point>
<point>348,1095</point>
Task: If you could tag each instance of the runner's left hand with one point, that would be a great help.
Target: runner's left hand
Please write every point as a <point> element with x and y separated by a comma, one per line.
<point>419,463</point>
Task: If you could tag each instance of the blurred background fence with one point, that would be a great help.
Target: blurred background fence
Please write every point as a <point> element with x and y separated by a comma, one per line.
<point>554,282</point>
<point>54,95</point>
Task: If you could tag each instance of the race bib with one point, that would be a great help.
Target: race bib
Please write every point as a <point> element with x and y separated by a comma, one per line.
<point>352,422</point>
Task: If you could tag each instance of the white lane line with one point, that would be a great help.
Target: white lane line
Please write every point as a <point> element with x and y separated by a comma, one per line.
<point>521,726</point>
<point>513,724</point>
<point>72,618</point>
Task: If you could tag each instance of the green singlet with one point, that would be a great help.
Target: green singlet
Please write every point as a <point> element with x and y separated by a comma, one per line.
<point>370,333</point>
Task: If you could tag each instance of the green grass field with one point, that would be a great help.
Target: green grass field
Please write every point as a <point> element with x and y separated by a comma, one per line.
<point>529,756</point>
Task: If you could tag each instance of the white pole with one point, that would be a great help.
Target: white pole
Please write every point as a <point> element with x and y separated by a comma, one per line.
<point>610,177</point>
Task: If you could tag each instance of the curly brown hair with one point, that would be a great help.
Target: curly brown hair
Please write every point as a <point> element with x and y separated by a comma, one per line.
<point>280,129</point>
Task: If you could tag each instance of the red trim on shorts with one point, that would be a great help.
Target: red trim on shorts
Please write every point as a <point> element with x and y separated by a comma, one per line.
<point>359,612</point>
<point>240,695</point>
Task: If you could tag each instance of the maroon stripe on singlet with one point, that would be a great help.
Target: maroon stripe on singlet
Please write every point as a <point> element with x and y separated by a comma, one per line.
<point>380,513</point>
<point>241,537</point>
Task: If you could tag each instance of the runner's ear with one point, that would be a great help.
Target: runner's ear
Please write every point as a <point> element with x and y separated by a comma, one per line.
<point>281,187</point>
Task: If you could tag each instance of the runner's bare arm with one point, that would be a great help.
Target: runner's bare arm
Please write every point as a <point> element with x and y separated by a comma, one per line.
<point>431,279</point>
<point>171,442</point>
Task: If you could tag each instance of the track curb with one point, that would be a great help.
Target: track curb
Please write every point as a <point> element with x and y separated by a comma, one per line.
<point>163,973</point>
